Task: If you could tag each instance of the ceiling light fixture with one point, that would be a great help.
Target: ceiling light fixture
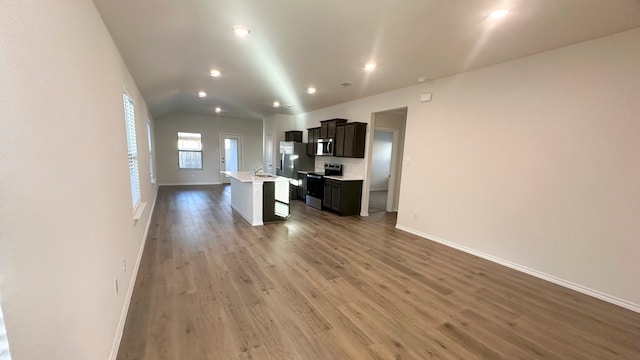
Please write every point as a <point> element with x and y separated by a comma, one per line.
<point>311,90</point>
<point>218,109</point>
<point>202,94</point>
<point>498,14</point>
<point>370,66</point>
<point>215,73</point>
<point>241,31</point>
<point>276,104</point>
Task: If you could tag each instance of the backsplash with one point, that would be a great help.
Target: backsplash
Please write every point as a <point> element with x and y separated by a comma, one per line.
<point>350,166</point>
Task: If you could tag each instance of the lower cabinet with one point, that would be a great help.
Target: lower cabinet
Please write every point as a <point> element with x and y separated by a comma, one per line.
<point>275,201</point>
<point>302,188</point>
<point>343,197</point>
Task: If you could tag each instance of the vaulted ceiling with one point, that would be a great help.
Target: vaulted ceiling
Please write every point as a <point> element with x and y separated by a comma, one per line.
<point>170,46</point>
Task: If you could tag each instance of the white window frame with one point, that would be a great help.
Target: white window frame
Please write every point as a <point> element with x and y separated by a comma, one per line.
<point>190,150</point>
<point>5,354</point>
<point>132,154</point>
<point>152,168</point>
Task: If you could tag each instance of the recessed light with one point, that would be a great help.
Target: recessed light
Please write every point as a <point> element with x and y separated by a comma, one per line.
<point>422,79</point>
<point>241,31</point>
<point>215,73</point>
<point>369,66</point>
<point>311,90</point>
<point>497,14</point>
<point>202,94</point>
<point>276,104</point>
<point>218,109</point>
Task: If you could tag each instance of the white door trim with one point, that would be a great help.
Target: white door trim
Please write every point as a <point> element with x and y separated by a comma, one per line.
<point>223,178</point>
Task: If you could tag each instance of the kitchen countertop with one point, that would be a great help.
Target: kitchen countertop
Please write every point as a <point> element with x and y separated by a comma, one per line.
<point>347,177</point>
<point>247,176</point>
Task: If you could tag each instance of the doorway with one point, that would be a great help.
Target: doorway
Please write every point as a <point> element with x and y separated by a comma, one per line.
<point>385,162</point>
<point>380,170</point>
<point>230,154</point>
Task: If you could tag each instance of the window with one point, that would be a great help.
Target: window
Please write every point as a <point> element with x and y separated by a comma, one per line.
<point>132,150</point>
<point>4,342</point>
<point>152,170</point>
<point>189,150</point>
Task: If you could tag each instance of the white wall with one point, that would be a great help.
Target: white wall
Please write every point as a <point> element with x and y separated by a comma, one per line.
<point>65,210</point>
<point>381,160</point>
<point>533,161</point>
<point>166,132</point>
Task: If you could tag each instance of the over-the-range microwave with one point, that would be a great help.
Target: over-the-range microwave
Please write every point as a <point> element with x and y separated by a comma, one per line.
<point>325,147</point>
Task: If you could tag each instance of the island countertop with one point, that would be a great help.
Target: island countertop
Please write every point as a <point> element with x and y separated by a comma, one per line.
<point>248,176</point>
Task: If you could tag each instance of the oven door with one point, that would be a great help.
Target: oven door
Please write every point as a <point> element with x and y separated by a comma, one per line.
<point>315,190</point>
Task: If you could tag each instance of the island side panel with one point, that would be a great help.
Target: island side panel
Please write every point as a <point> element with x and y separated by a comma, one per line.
<point>246,199</point>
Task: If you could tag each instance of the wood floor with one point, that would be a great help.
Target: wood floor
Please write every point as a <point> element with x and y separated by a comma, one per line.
<point>320,286</point>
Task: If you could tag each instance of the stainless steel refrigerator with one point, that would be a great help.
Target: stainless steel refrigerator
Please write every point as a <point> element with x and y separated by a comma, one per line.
<point>294,158</point>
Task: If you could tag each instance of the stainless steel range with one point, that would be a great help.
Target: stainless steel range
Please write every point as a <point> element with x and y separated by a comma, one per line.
<point>315,184</point>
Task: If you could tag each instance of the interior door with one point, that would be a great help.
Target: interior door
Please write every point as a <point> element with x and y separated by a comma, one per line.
<point>230,154</point>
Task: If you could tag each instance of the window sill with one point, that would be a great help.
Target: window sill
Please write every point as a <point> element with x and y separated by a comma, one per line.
<point>138,211</point>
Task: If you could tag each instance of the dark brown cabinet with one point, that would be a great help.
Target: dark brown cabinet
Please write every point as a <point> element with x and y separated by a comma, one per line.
<point>343,197</point>
<point>293,135</point>
<point>350,139</point>
<point>313,135</point>
<point>328,127</point>
<point>302,187</point>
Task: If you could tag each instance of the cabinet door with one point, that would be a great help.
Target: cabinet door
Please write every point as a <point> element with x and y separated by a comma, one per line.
<point>312,139</point>
<point>339,142</point>
<point>335,195</point>
<point>349,133</point>
<point>331,129</point>
<point>326,199</point>
<point>324,130</point>
<point>359,139</point>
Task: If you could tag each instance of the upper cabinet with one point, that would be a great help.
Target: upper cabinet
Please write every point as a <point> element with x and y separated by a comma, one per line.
<point>350,139</point>
<point>293,135</point>
<point>328,127</point>
<point>313,135</point>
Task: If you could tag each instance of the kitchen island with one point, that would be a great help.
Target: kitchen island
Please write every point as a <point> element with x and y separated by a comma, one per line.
<point>259,198</point>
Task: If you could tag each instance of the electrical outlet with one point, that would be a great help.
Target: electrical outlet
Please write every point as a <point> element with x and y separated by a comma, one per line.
<point>124,264</point>
<point>115,285</point>
<point>415,215</point>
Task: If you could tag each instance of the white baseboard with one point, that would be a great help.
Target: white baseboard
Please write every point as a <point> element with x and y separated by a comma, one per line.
<point>189,184</point>
<point>253,223</point>
<point>132,283</point>
<point>568,284</point>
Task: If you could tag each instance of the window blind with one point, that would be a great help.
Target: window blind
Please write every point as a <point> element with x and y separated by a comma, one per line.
<point>132,150</point>
<point>152,170</point>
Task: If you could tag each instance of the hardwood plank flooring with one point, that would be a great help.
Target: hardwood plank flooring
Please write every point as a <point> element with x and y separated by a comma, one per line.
<point>320,286</point>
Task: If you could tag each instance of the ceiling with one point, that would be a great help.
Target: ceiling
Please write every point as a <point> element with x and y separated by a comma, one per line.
<point>171,45</point>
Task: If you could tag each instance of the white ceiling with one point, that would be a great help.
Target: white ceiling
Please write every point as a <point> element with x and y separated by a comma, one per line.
<point>170,45</point>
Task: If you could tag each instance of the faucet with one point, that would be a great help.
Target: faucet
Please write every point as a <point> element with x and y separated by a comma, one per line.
<point>255,171</point>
